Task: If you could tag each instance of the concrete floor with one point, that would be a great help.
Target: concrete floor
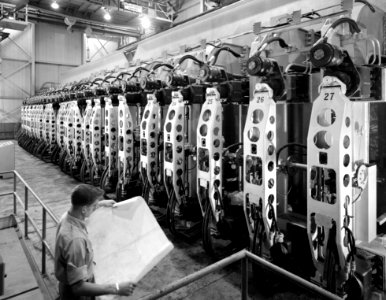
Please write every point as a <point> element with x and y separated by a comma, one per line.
<point>20,282</point>
<point>54,188</point>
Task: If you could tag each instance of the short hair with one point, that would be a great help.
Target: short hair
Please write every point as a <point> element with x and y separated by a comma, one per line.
<point>85,194</point>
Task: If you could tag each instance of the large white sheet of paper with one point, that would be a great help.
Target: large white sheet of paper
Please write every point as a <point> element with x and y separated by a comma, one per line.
<point>127,241</point>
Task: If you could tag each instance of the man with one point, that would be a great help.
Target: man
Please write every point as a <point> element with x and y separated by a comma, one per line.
<point>74,266</point>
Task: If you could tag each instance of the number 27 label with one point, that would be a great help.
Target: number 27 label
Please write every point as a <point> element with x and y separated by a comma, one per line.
<point>328,96</point>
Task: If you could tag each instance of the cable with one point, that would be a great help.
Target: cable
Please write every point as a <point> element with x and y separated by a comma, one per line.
<point>138,70</point>
<point>122,74</point>
<point>217,52</point>
<point>367,4</point>
<point>231,146</point>
<point>192,168</point>
<point>157,66</point>
<point>282,44</point>
<point>352,24</point>
<point>213,45</point>
<point>287,146</point>
<point>350,244</point>
<point>185,57</point>
<point>285,195</point>
<point>359,195</point>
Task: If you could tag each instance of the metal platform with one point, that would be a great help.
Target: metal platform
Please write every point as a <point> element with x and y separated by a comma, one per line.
<point>21,280</point>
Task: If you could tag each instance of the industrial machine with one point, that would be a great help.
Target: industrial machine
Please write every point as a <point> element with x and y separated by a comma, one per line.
<point>131,104</point>
<point>49,127</point>
<point>259,161</point>
<point>97,129</point>
<point>125,144</point>
<point>275,145</point>
<point>60,131</point>
<point>218,168</point>
<point>150,147</point>
<point>85,169</point>
<point>337,169</point>
<point>110,173</point>
<point>183,216</point>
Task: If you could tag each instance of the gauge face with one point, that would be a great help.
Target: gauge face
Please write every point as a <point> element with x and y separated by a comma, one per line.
<point>319,54</point>
<point>252,65</point>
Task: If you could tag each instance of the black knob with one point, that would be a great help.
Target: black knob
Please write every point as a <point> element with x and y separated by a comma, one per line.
<point>326,55</point>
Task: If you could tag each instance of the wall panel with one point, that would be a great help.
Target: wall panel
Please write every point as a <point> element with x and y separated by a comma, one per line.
<point>12,86</point>
<point>46,49</point>
<point>98,48</point>
<point>18,45</point>
<point>10,110</point>
<point>55,44</point>
<point>48,75</point>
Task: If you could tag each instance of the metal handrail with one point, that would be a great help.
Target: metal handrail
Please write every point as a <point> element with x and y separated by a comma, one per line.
<point>244,256</point>
<point>42,234</point>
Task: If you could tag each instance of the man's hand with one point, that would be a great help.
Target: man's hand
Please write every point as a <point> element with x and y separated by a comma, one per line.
<point>126,288</point>
<point>106,203</point>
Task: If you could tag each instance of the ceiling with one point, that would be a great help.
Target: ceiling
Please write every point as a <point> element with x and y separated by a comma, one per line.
<point>88,15</point>
<point>125,15</point>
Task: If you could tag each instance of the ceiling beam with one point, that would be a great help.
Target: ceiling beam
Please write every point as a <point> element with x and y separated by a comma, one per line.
<point>80,17</point>
<point>96,28</point>
<point>73,12</point>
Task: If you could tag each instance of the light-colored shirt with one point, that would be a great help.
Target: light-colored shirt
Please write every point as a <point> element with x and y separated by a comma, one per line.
<point>73,252</point>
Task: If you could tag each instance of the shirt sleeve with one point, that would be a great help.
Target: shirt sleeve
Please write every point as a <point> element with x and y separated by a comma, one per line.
<point>75,256</point>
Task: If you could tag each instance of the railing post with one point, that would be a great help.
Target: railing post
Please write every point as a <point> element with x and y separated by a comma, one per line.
<point>244,278</point>
<point>14,194</point>
<point>26,212</point>
<point>44,227</point>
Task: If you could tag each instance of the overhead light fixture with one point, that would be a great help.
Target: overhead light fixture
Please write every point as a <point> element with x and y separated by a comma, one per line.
<point>145,21</point>
<point>107,16</point>
<point>55,5</point>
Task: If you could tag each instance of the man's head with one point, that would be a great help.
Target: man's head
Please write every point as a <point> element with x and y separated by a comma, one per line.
<point>85,198</point>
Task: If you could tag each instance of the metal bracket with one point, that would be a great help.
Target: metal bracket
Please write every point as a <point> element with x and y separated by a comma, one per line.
<point>347,4</point>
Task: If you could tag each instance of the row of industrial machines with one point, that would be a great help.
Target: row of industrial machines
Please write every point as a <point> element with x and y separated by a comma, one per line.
<point>264,147</point>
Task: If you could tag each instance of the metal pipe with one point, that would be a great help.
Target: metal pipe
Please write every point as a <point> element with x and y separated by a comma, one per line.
<point>26,212</point>
<point>297,165</point>
<point>240,141</point>
<point>195,276</point>
<point>34,225</point>
<point>7,194</point>
<point>19,200</point>
<point>33,60</point>
<point>50,213</point>
<point>14,194</point>
<point>187,141</point>
<point>304,283</point>
<point>44,231</point>
<point>49,249</point>
<point>244,280</point>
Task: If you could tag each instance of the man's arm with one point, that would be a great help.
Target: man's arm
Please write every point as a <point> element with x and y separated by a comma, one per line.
<point>106,203</point>
<point>83,288</point>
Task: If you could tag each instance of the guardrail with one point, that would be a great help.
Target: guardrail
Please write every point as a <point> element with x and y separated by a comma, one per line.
<point>42,233</point>
<point>243,255</point>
